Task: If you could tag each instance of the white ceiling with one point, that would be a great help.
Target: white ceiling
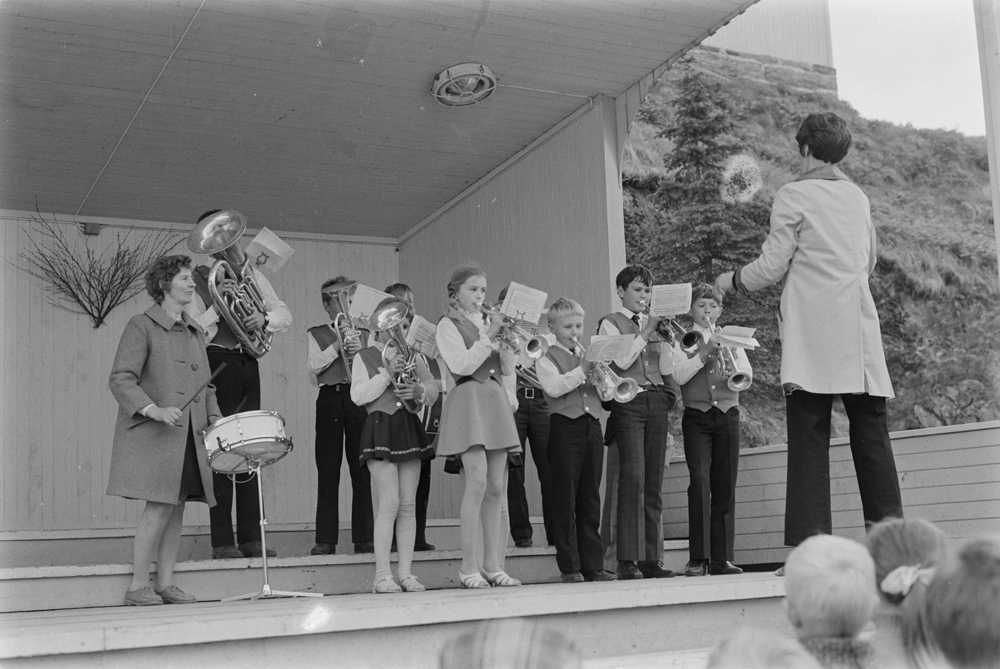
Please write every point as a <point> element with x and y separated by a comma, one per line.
<point>312,116</point>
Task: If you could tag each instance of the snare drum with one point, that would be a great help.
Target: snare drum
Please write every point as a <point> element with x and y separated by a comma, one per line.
<point>235,440</point>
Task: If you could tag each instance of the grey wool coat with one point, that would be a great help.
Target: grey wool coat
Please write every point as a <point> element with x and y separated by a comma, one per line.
<point>159,361</point>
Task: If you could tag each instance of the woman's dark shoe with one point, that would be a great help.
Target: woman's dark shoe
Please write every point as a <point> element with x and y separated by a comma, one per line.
<point>696,568</point>
<point>142,597</point>
<point>174,595</point>
<point>724,567</point>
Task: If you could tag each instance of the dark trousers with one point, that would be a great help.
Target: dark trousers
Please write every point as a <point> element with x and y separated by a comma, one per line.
<point>423,497</point>
<point>641,433</point>
<point>532,421</point>
<point>712,451</point>
<point>807,496</point>
<point>576,455</point>
<point>338,434</point>
<point>237,389</point>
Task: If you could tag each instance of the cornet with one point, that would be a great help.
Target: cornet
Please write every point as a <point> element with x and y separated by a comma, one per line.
<point>343,327</point>
<point>609,385</point>
<point>389,317</point>
<point>515,338</point>
<point>738,378</point>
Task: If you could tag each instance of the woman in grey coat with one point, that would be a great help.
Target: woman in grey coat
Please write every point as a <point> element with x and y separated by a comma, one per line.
<point>159,453</point>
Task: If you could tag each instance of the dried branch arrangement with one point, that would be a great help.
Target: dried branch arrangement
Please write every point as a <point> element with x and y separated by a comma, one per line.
<point>90,282</point>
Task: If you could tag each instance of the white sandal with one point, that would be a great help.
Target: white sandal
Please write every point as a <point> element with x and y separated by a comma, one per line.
<point>473,581</point>
<point>500,579</point>
<point>385,585</point>
<point>411,584</point>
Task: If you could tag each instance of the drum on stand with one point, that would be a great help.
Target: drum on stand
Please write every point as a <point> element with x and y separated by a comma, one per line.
<point>234,442</point>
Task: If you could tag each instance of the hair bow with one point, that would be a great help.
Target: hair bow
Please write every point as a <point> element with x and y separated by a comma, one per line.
<point>900,580</point>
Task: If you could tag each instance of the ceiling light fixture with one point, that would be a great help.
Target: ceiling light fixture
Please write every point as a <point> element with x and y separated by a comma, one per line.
<point>464,85</point>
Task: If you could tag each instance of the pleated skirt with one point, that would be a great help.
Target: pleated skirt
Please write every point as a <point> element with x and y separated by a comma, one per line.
<point>395,437</point>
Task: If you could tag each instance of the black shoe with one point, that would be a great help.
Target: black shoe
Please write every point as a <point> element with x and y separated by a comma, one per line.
<point>724,567</point>
<point>255,549</point>
<point>571,577</point>
<point>423,546</point>
<point>627,571</point>
<point>364,547</point>
<point>654,569</point>
<point>696,568</point>
<point>522,543</point>
<point>226,553</point>
<point>599,575</point>
<point>323,549</point>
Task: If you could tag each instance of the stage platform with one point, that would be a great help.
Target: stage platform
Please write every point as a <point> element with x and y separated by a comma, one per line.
<point>662,622</point>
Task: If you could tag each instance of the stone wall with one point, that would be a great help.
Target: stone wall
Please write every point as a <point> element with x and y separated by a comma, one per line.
<point>726,65</point>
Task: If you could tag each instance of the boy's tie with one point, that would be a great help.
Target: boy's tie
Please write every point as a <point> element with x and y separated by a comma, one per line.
<point>635,319</point>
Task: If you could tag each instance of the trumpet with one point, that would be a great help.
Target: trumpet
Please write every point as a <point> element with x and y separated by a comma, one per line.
<point>343,327</point>
<point>609,385</point>
<point>669,330</point>
<point>389,317</point>
<point>738,378</point>
<point>514,337</point>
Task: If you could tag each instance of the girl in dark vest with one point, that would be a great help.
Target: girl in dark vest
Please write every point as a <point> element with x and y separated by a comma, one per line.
<point>393,443</point>
<point>477,422</point>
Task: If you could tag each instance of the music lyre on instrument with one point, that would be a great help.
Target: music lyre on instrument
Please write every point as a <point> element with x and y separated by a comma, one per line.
<point>218,236</point>
<point>388,317</point>
<point>343,327</point>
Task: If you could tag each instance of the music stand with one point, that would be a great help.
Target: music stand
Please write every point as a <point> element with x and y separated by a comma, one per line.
<point>253,464</point>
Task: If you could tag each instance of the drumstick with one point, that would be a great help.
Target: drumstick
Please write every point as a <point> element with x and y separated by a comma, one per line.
<point>196,393</point>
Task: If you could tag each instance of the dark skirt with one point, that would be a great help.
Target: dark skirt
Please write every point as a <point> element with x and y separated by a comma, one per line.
<point>191,487</point>
<point>396,437</point>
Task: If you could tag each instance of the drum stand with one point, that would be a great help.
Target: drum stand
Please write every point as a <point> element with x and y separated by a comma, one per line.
<point>266,591</point>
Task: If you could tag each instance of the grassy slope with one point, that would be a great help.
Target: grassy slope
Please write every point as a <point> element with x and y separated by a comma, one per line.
<point>936,283</point>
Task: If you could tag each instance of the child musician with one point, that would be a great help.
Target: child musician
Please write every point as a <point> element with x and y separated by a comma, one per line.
<point>575,448</point>
<point>477,422</point>
<point>393,443</point>
<point>711,427</point>
<point>640,428</point>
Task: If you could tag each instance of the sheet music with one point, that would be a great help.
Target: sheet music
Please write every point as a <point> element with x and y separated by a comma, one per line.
<point>608,347</point>
<point>737,337</point>
<point>670,299</point>
<point>523,303</point>
<point>364,302</point>
<point>268,250</point>
<point>421,337</point>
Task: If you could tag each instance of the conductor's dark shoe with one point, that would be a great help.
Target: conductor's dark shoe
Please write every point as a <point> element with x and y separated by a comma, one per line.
<point>696,568</point>
<point>571,577</point>
<point>522,543</point>
<point>599,575</point>
<point>725,567</point>
<point>364,547</point>
<point>255,549</point>
<point>627,571</point>
<point>423,546</point>
<point>226,553</point>
<point>654,569</point>
<point>324,549</point>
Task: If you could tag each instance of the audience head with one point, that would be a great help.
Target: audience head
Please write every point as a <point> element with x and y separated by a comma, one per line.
<point>824,136</point>
<point>829,587</point>
<point>161,273</point>
<point>963,606</point>
<point>748,648</point>
<point>511,643</point>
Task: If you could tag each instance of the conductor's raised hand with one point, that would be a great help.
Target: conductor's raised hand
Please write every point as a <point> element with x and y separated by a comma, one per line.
<point>724,282</point>
<point>169,415</point>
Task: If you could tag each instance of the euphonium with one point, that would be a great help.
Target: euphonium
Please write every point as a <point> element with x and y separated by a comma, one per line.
<point>515,338</point>
<point>609,385</point>
<point>218,236</point>
<point>389,317</point>
<point>737,378</point>
<point>343,327</point>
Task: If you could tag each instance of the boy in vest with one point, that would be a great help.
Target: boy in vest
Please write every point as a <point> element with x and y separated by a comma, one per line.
<point>640,428</point>
<point>338,433</point>
<point>575,447</point>
<point>711,427</point>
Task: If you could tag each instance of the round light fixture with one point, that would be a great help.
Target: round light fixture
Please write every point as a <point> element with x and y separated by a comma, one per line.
<point>463,85</point>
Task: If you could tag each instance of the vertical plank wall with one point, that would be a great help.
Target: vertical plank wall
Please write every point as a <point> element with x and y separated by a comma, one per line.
<point>58,415</point>
<point>551,219</point>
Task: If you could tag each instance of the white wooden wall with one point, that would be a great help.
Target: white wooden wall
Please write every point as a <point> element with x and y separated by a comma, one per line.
<point>57,414</point>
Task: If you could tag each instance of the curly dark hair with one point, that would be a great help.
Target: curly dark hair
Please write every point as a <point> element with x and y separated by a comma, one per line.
<point>161,273</point>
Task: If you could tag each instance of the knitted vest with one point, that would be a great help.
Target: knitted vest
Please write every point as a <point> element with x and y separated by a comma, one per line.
<point>337,371</point>
<point>708,388</point>
<point>387,402</point>
<point>470,335</point>
<point>646,368</point>
<point>582,399</point>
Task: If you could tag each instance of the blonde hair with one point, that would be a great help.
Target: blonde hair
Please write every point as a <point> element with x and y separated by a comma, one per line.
<point>564,306</point>
<point>830,585</point>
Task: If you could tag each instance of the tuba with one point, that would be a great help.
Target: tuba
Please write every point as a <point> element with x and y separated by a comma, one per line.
<point>389,317</point>
<point>218,236</point>
<point>343,327</point>
<point>609,385</point>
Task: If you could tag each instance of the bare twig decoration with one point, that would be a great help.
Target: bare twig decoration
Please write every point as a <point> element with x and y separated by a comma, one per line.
<point>94,282</point>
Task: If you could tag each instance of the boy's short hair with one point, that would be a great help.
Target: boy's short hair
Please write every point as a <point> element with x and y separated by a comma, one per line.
<point>830,584</point>
<point>706,290</point>
<point>749,648</point>
<point>329,282</point>
<point>398,290</point>
<point>963,606</point>
<point>564,306</point>
<point>631,273</point>
<point>825,135</point>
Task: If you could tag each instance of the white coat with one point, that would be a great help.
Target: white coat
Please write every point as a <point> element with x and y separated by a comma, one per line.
<point>822,244</point>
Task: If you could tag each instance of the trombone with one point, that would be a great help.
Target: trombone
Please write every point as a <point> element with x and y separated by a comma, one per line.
<point>609,385</point>
<point>343,327</point>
